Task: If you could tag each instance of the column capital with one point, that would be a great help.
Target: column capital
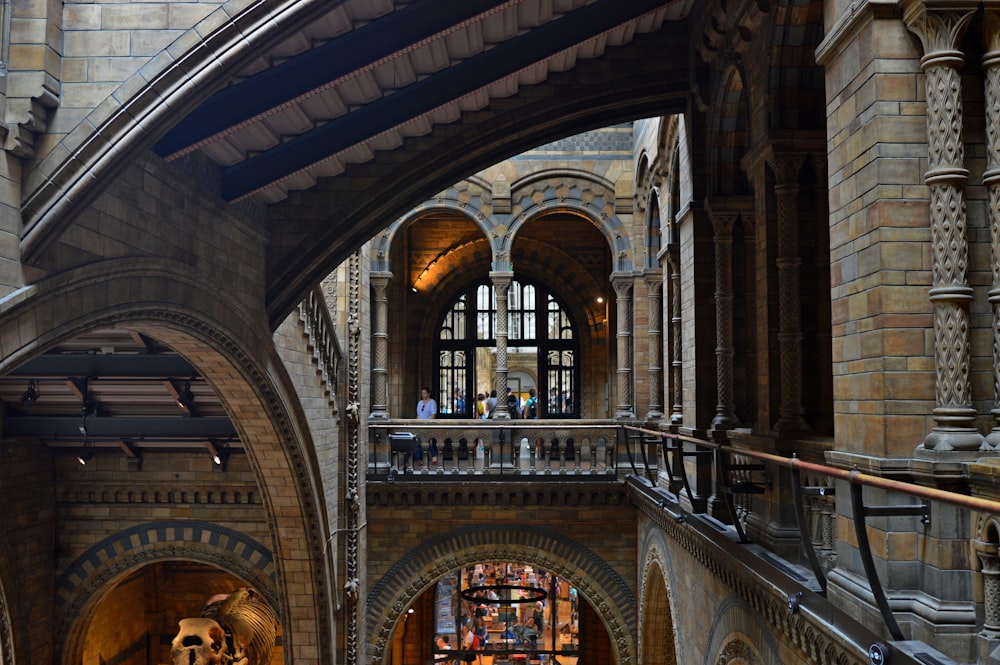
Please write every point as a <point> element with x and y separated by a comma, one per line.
<point>723,211</point>
<point>622,283</point>
<point>991,34</point>
<point>785,165</point>
<point>380,278</point>
<point>940,26</point>
<point>653,277</point>
<point>497,276</point>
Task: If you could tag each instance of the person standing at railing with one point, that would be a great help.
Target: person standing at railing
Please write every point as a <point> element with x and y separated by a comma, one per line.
<point>427,408</point>
<point>531,405</point>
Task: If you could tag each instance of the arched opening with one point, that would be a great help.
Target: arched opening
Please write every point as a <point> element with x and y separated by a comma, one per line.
<point>138,616</point>
<point>500,613</point>
<point>656,644</point>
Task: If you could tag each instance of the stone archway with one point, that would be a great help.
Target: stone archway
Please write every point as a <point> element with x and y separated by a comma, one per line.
<point>739,635</point>
<point>80,587</point>
<point>656,628</point>
<point>232,348</point>
<point>595,579</point>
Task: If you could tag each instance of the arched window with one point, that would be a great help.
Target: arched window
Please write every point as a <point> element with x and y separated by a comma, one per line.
<point>542,350</point>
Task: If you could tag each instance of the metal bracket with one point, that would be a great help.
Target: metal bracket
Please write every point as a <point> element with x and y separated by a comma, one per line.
<point>861,512</point>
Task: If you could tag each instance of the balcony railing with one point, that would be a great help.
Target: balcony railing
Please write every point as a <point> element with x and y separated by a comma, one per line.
<point>694,481</point>
<point>484,449</point>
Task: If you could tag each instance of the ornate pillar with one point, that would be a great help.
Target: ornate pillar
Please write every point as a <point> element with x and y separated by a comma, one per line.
<point>722,223</point>
<point>380,343</point>
<point>676,352</point>
<point>991,588</point>
<point>654,283</point>
<point>786,169</point>
<point>991,178</point>
<point>501,285</point>
<point>622,283</point>
<point>940,32</point>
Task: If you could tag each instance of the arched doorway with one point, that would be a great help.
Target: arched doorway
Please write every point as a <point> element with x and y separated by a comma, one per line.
<point>137,617</point>
<point>498,613</point>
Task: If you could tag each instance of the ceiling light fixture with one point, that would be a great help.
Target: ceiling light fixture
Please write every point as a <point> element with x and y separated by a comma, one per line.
<point>30,395</point>
<point>185,398</point>
<point>86,454</point>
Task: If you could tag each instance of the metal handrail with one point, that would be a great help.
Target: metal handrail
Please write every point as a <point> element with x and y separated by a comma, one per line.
<point>853,476</point>
<point>859,511</point>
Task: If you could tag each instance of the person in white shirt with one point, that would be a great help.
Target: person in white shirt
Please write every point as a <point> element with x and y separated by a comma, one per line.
<point>427,408</point>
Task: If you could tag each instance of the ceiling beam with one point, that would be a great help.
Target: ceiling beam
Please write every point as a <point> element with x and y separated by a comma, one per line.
<point>117,365</point>
<point>319,67</point>
<point>383,114</point>
<point>135,428</point>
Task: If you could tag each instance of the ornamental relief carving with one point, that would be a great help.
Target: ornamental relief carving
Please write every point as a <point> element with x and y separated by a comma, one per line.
<point>737,652</point>
<point>940,32</point>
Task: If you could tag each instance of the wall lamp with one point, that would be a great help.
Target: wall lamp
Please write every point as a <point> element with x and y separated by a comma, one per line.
<point>31,395</point>
<point>86,454</point>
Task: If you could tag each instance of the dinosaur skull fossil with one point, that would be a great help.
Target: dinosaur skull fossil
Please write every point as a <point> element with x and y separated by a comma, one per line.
<point>199,642</point>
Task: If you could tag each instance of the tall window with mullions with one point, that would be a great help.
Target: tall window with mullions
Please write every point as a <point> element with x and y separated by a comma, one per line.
<point>542,350</point>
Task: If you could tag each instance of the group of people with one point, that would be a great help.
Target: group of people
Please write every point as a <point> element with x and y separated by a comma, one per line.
<point>485,406</point>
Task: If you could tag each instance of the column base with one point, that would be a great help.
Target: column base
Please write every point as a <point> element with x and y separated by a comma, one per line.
<point>953,438</point>
<point>654,415</point>
<point>624,415</point>
<point>378,415</point>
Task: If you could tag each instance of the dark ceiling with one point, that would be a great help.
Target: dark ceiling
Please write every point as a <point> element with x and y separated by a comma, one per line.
<point>116,389</point>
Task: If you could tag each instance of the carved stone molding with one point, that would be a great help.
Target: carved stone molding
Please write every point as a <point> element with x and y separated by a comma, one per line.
<point>415,572</point>
<point>353,472</point>
<point>941,33</point>
<point>622,284</point>
<point>737,652</point>
<point>821,642</point>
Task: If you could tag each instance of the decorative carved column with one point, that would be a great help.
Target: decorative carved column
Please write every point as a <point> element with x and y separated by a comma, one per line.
<point>676,353</point>
<point>622,284</point>
<point>725,414</point>
<point>991,588</point>
<point>380,343</point>
<point>940,32</point>
<point>786,169</point>
<point>654,283</point>
<point>501,285</point>
<point>991,178</point>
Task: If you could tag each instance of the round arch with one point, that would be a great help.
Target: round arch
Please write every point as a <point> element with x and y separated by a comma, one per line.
<point>477,208</point>
<point>730,133</point>
<point>82,585</point>
<point>417,570</point>
<point>595,205</point>
<point>232,348</point>
<point>738,631</point>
